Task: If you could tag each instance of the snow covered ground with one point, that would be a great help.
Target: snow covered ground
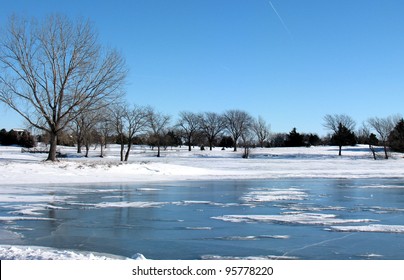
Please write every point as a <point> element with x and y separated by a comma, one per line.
<point>177,164</point>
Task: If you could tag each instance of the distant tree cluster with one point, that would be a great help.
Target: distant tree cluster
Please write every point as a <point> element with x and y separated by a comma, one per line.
<point>387,132</point>
<point>17,137</point>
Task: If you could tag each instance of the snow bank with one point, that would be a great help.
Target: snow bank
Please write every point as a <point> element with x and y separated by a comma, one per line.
<point>44,253</point>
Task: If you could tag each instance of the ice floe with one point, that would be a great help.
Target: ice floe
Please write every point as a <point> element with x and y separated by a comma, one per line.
<point>370,228</point>
<point>268,257</point>
<point>198,228</point>
<point>33,198</point>
<point>252,237</point>
<point>128,204</point>
<point>292,218</point>
<point>275,195</point>
<point>20,218</point>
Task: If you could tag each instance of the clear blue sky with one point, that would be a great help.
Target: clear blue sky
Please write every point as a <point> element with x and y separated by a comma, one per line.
<point>290,61</point>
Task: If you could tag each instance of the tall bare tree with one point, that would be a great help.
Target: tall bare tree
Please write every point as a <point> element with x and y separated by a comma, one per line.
<point>262,130</point>
<point>82,127</point>
<point>383,128</point>
<point>188,124</point>
<point>238,123</point>
<point>158,123</point>
<point>135,122</point>
<point>118,123</point>
<point>211,125</point>
<point>53,70</point>
<point>104,128</point>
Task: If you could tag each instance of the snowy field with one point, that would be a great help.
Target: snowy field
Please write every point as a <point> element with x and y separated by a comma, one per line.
<point>177,164</point>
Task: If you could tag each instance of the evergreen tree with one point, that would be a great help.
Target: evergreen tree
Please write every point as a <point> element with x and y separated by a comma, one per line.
<point>26,140</point>
<point>343,137</point>
<point>3,136</point>
<point>312,140</point>
<point>226,142</point>
<point>294,139</point>
<point>396,137</point>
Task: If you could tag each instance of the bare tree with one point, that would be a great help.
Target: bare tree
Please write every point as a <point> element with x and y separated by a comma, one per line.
<point>211,125</point>
<point>237,123</point>
<point>262,130</point>
<point>158,124</point>
<point>343,127</point>
<point>118,122</point>
<point>52,68</point>
<point>135,122</point>
<point>188,124</point>
<point>104,128</point>
<point>247,138</point>
<point>333,121</point>
<point>82,127</point>
<point>383,128</point>
<point>366,137</point>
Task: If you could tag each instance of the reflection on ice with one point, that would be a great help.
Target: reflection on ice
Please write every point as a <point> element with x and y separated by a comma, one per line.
<point>371,256</point>
<point>148,189</point>
<point>382,187</point>
<point>310,207</point>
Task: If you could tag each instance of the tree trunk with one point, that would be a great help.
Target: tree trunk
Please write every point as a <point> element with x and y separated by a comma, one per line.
<point>79,146</point>
<point>128,151</point>
<point>210,141</point>
<point>189,144</point>
<point>122,150</point>
<point>158,150</point>
<point>386,155</point>
<point>373,151</point>
<point>340,151</point>
<point>102,150</point>
<point>52,148</point>
<point>246,152</point>
<point>87,149</point>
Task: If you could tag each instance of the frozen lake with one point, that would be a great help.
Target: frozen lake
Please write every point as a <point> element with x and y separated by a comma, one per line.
<point>296,218</point>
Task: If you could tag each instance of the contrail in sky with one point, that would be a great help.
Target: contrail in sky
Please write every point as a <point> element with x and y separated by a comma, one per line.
<point>280,18</point>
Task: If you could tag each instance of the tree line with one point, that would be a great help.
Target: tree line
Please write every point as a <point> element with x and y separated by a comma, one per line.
<point>57,76</point>
<point>21,138</point>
